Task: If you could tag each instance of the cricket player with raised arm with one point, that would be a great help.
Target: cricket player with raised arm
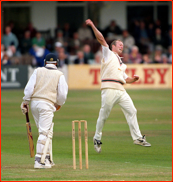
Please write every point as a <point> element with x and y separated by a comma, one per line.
<point>47,90</point>
<point>113,77</point>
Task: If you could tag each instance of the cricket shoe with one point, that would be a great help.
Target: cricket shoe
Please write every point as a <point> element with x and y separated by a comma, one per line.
<point>142,141</point>
<point>97,145</point>
<point>48,161</point>
<point>39,165</point>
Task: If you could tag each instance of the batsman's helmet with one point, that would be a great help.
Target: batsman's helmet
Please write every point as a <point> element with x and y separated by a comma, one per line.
<point>50,59</point>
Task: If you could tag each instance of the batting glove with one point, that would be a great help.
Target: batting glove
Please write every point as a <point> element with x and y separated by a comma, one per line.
<point>25,106</point>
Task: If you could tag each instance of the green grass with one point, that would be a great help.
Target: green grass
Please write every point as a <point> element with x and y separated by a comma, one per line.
<point>120,159</point>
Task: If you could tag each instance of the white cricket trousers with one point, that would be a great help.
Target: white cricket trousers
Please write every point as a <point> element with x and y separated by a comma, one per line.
<point>43,113</point>
<point>110,97</point>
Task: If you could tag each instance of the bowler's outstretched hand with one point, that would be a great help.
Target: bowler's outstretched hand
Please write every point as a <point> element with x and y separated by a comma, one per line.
<point>136,77</point>
<point>89,22</point>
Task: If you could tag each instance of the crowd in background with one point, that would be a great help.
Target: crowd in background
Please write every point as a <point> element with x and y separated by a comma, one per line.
<point>143,44</point>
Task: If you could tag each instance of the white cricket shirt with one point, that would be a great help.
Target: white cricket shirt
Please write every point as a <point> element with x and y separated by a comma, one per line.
<point>106,56</point>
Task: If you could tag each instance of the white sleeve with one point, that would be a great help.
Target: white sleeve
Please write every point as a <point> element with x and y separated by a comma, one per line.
<point>29,88</point>
<point>106,53</point>
<point>62,91</point>
<point>125,76</point>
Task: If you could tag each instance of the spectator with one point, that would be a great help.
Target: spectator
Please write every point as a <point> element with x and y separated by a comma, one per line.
<point>75,43</point>
<point>158,38</point>
<point>164,59</point>
<point>88,55</point>
<point>80,58</point>
<point>158,55</point>
<point>38,41</point>
<point>62,49</point>
<point>63,62</point>
<point>5,60</point>
<point>62,58</point>
<point>112,28</point>
<point>128,41</point>
<point>38,50</point>
<point>146,59</point>
<point>10,41</point>
<point>99,51</point>
<point>26,43</point>
<point>59,37</point>
<point>135,56</point>
<point>58,46</point>
<point>126,59</point>
<point>31,29</point>
<point>85,33</point>
<point>25,46</point>
<point>97,58</point>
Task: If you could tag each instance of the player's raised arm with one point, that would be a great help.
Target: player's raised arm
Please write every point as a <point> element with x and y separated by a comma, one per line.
<point>97,33</point>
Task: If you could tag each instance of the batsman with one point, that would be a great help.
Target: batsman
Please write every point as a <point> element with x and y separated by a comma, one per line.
<point>113,78</point>
<point>47,90</point>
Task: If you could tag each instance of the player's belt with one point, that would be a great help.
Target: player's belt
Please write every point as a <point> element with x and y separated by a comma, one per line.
<point>111,80</point>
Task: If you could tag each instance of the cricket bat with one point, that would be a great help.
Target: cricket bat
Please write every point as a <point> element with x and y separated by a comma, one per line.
<point>29,134</point>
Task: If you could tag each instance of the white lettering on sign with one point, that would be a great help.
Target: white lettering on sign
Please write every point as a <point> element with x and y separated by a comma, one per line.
<point>13,72</point>
<point>4,75</point>
<point>8,77</point>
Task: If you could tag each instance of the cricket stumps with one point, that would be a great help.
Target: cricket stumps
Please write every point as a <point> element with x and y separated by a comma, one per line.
<point>80,143</point>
